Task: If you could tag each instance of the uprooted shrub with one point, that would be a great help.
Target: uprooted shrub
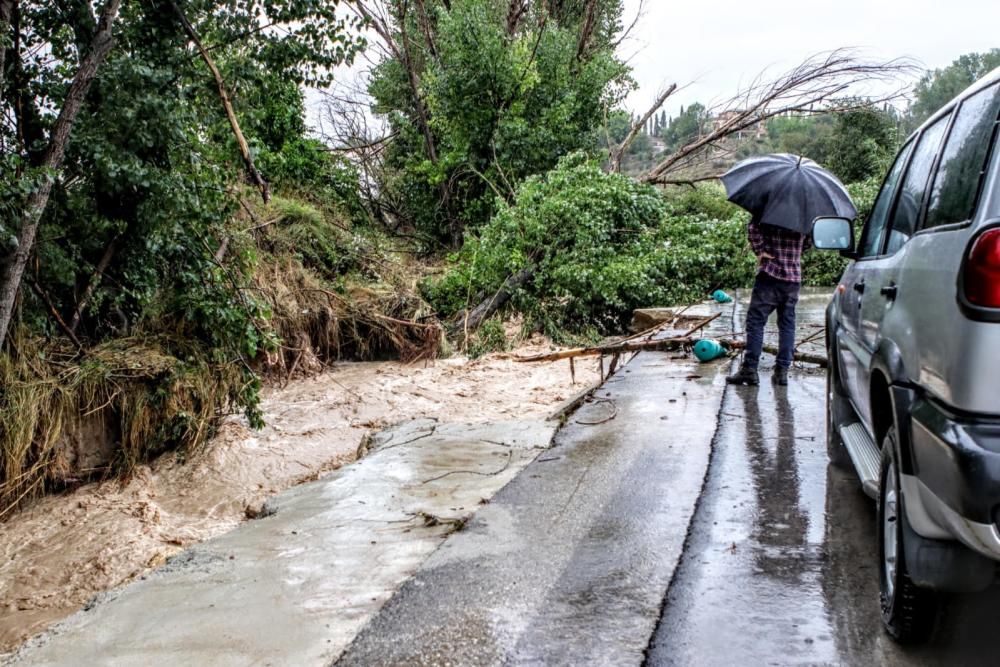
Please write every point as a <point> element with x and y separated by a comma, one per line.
<point>590,240</point>
<point>600,245</point>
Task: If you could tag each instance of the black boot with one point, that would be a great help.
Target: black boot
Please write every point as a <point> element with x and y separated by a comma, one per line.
<point>745,376</point>
<point>780,376</point>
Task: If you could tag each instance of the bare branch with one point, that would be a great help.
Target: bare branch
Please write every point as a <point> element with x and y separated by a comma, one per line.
<point>627,32</point>
<point>617,154</point>
<point>813,87</point>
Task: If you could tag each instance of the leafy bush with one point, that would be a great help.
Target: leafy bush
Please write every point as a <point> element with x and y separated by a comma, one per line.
<point>707,200</point>
<point>590,238</point>
<point>490,337</point>
<point>601,245</point>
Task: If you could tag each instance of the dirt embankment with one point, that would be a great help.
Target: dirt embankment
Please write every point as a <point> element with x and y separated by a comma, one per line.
<point>58,553</point>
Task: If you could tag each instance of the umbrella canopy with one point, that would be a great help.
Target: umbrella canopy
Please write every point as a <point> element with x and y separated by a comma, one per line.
<point>787,191</point>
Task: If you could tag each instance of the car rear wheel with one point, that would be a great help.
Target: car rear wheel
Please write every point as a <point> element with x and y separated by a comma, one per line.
<point>908,611</point>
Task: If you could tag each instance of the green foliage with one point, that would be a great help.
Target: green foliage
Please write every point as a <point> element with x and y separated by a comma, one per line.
<point>501,106</point>
<point>855,145</point>
<point>863,144</point>
<point>602,245</point>
<point>706,200</point>
<point>320,239</point>
<point>591,239</point>
<point>490,337</point>
<point>150,171</point>
<point>686,127</point>
<point>811,136</point>
<point>938,87</point>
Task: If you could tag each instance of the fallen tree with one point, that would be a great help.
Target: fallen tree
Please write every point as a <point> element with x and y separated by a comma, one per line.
<point>660,345</point>
<point>592,264</point>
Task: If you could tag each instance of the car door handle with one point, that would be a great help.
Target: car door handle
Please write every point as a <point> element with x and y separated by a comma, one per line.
<point>890,291</point>
<point>859,287</point>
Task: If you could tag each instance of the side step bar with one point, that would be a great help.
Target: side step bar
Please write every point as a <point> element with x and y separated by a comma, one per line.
<point>864,454</point>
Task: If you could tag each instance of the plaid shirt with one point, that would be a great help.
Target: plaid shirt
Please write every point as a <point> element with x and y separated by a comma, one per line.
<point>784,246</point>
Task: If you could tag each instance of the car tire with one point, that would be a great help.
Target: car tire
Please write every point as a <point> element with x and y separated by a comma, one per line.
<point>908,611</point>
<point>837,407</point>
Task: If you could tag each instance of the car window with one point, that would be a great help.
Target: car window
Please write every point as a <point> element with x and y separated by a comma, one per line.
<point>871,240</point>
<point>903,222</point>
<point>963,161</point>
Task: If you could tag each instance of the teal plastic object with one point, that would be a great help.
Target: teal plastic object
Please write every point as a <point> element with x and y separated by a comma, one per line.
<point>721,297</point>
<point>708,350</point>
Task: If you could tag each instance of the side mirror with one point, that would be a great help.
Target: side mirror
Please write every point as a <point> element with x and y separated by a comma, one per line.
<point>833,234</point>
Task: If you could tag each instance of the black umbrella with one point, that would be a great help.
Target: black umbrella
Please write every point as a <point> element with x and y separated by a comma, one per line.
<point>787,191</point>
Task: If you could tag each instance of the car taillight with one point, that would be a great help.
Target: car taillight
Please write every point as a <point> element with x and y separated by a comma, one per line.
<point>982,271</point>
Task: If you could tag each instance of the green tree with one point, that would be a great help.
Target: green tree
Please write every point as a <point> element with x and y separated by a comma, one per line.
<point>862,144</point>
<point>480,102</point>
<point>938,87</point>
<point>811,136</point>
<point>134,232</point>
<point>686,127</point>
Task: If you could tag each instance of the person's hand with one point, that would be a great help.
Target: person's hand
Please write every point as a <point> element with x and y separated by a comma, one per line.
<point>766,255</point>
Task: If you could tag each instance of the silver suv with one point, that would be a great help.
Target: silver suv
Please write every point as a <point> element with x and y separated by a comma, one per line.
<point>913,336</point>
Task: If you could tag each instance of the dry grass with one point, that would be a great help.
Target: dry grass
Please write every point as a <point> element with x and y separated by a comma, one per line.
<point>335,292</point>
<point>147,399</point>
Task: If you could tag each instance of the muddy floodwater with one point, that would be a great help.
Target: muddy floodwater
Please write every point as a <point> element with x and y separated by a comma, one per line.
<point>61,551</point>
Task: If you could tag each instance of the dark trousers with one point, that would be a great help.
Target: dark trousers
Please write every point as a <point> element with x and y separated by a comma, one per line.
<point>770,294</point>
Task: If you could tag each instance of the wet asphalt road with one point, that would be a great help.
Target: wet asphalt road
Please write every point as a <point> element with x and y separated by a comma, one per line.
<point>685,531</point>
<point>780,564</point>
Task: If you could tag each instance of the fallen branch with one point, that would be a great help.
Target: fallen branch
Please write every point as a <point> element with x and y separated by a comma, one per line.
<point>469,320</point>
<point>806,357</point>
<point>701,325</point>
<point>662,345</point>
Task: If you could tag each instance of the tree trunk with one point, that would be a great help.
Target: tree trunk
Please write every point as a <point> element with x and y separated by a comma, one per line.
<point>220,83</point>
<point>95,280</point>
<point>6,8</point>
<point>470,320</point>
<point>54,154</point>
<point>515,12</point>
<point>587,30</point>
<point>414,80</point>
<point>425,24</point>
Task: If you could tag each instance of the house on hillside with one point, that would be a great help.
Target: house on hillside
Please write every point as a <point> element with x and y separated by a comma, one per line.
<point>757,132</point>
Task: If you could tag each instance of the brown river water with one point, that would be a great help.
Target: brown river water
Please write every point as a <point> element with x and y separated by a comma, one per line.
<point>58,553</point>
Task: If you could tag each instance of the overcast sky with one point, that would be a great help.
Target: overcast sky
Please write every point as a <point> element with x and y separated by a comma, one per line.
<point>714,45</point>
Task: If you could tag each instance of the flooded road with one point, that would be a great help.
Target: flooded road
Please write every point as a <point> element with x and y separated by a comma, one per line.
<point>673,521</point>
<point>780,565</point>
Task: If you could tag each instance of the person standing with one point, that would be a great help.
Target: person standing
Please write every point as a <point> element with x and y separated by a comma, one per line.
<point>776,288</point>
